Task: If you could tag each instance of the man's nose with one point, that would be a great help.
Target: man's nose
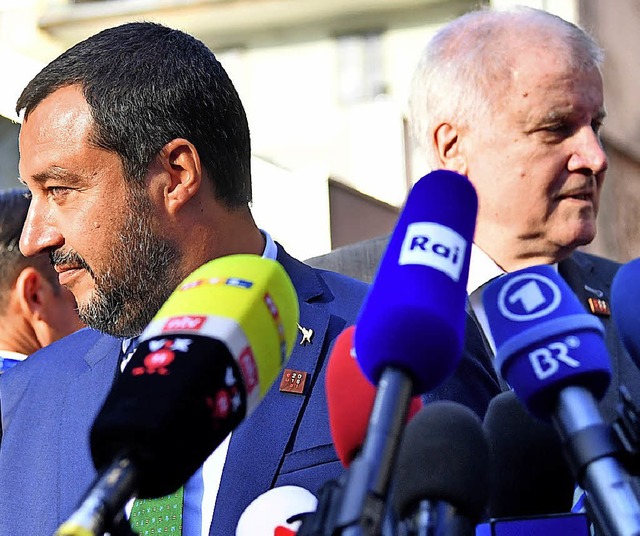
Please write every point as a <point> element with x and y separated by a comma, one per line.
<point>39,235</point>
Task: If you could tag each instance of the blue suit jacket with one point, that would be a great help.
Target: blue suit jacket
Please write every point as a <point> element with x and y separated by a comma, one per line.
<point>49,402</point>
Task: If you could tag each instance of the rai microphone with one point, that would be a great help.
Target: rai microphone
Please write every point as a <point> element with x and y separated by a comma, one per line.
<point>625,307</point>
<point>409,333</point>
<point>277,512</point>
<point>203,364</point>
<point>442,478</point>
<point>552,353</point>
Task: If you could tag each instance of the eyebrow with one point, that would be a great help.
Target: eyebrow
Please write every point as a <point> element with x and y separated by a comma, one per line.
<point>556,114</point>
<point>56,173</point>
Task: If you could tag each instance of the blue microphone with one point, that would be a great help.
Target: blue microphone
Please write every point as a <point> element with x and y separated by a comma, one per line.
<point>552,353</point>
<point>414,315</point>
<point>625,307</point>
<point>409,335</point>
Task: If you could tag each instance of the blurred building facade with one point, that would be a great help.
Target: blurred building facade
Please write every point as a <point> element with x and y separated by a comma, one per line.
<point>325,85</point>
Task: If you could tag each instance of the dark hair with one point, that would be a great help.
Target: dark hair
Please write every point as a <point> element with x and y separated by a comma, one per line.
<point>14,205</point>
<point>147,84</point>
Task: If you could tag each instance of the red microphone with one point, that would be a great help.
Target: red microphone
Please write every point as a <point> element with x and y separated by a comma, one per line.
<point>350,398</point>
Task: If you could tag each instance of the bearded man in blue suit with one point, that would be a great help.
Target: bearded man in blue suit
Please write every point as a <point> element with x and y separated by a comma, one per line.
<point>135,148</point>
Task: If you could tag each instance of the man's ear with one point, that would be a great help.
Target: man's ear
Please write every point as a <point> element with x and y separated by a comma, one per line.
<point>447,139</point>
<point>181,164</point>
<point>32,291</point>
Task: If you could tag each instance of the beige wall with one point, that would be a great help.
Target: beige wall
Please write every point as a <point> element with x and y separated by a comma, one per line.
<point>616,26</point>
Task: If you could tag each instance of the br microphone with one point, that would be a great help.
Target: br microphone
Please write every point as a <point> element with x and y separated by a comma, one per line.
<point>202,366</point>
<point>276,512</point>
<point>553,355</point>
<point>442,477</point>
<point>410,330</point>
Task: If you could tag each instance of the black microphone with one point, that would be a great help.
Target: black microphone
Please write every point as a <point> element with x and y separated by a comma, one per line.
<point>202,366</point>
<point>552,353</point>
<point>533,488</point>
<point>442,477</point>
<point>531,476</point>
<point>409,334</point>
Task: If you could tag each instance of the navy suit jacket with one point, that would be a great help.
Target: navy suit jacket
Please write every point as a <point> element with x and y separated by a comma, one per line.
<point>49,402</point>
<point>475,381</point>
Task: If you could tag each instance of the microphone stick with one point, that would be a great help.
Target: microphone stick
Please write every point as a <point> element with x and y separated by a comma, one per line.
<point>553,355</point>
<point>409,334</point>
<point>203,364</point>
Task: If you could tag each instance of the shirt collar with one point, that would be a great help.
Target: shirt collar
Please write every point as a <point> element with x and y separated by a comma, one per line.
<point>270,248</point>
<point>16,356</point>
<point>483,268</point>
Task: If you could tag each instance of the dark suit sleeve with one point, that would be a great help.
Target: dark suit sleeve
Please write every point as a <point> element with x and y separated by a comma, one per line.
<point>475,382</point>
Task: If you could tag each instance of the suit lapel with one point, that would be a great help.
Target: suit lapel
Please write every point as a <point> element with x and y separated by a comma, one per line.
<point>256,452</point>
<point>84,396</point>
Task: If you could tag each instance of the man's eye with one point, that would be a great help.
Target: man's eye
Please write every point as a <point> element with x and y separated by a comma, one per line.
<point>559,127</point>
<point>57,191</point>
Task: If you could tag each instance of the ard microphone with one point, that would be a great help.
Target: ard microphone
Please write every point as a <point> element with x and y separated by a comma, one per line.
<point>277,512</point>
<point>552,353</point>
<point>442,477</point>
<point>350,399</point>
<point>202,366</point>
<point>625,307</point>
<point>410,330</point>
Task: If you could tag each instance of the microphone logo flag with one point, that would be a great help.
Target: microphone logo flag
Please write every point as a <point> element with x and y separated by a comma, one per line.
<point>185,323</point>
<point>434,245</point>
<point>546,360</point>
<point>527,297</point>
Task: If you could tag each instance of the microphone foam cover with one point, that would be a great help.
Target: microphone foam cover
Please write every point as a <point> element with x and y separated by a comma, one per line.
<point>350,399</point>
<point>246,301</point>
<point>625,307</point>
<point>414,315</point>
<point>530,474</point>
<point>202,365</point>
<point>443,456</point>
<point>270,513</point>
<point>545,338</point>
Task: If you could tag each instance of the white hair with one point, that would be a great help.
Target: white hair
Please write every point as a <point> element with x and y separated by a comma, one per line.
<point>467,65</point>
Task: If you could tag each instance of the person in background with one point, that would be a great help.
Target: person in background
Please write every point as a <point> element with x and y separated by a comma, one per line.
<point>35,310</point>
<point>513,99</point>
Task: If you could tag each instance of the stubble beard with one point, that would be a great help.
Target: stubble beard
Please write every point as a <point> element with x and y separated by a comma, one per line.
<point>142,275</point>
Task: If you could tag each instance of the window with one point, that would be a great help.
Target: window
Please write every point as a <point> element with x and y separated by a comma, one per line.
<point>360,72</point>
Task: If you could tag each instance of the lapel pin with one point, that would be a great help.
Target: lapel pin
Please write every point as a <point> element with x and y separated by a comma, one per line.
<point>307,334</point>
<point>594,291</point>
<point>293,381</point>
<point>599,307</point>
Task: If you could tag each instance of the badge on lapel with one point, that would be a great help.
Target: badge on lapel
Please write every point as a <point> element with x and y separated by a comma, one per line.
<point>293,381</point>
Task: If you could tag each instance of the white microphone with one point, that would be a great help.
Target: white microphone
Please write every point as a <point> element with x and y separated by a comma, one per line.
<point>277,512</point>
